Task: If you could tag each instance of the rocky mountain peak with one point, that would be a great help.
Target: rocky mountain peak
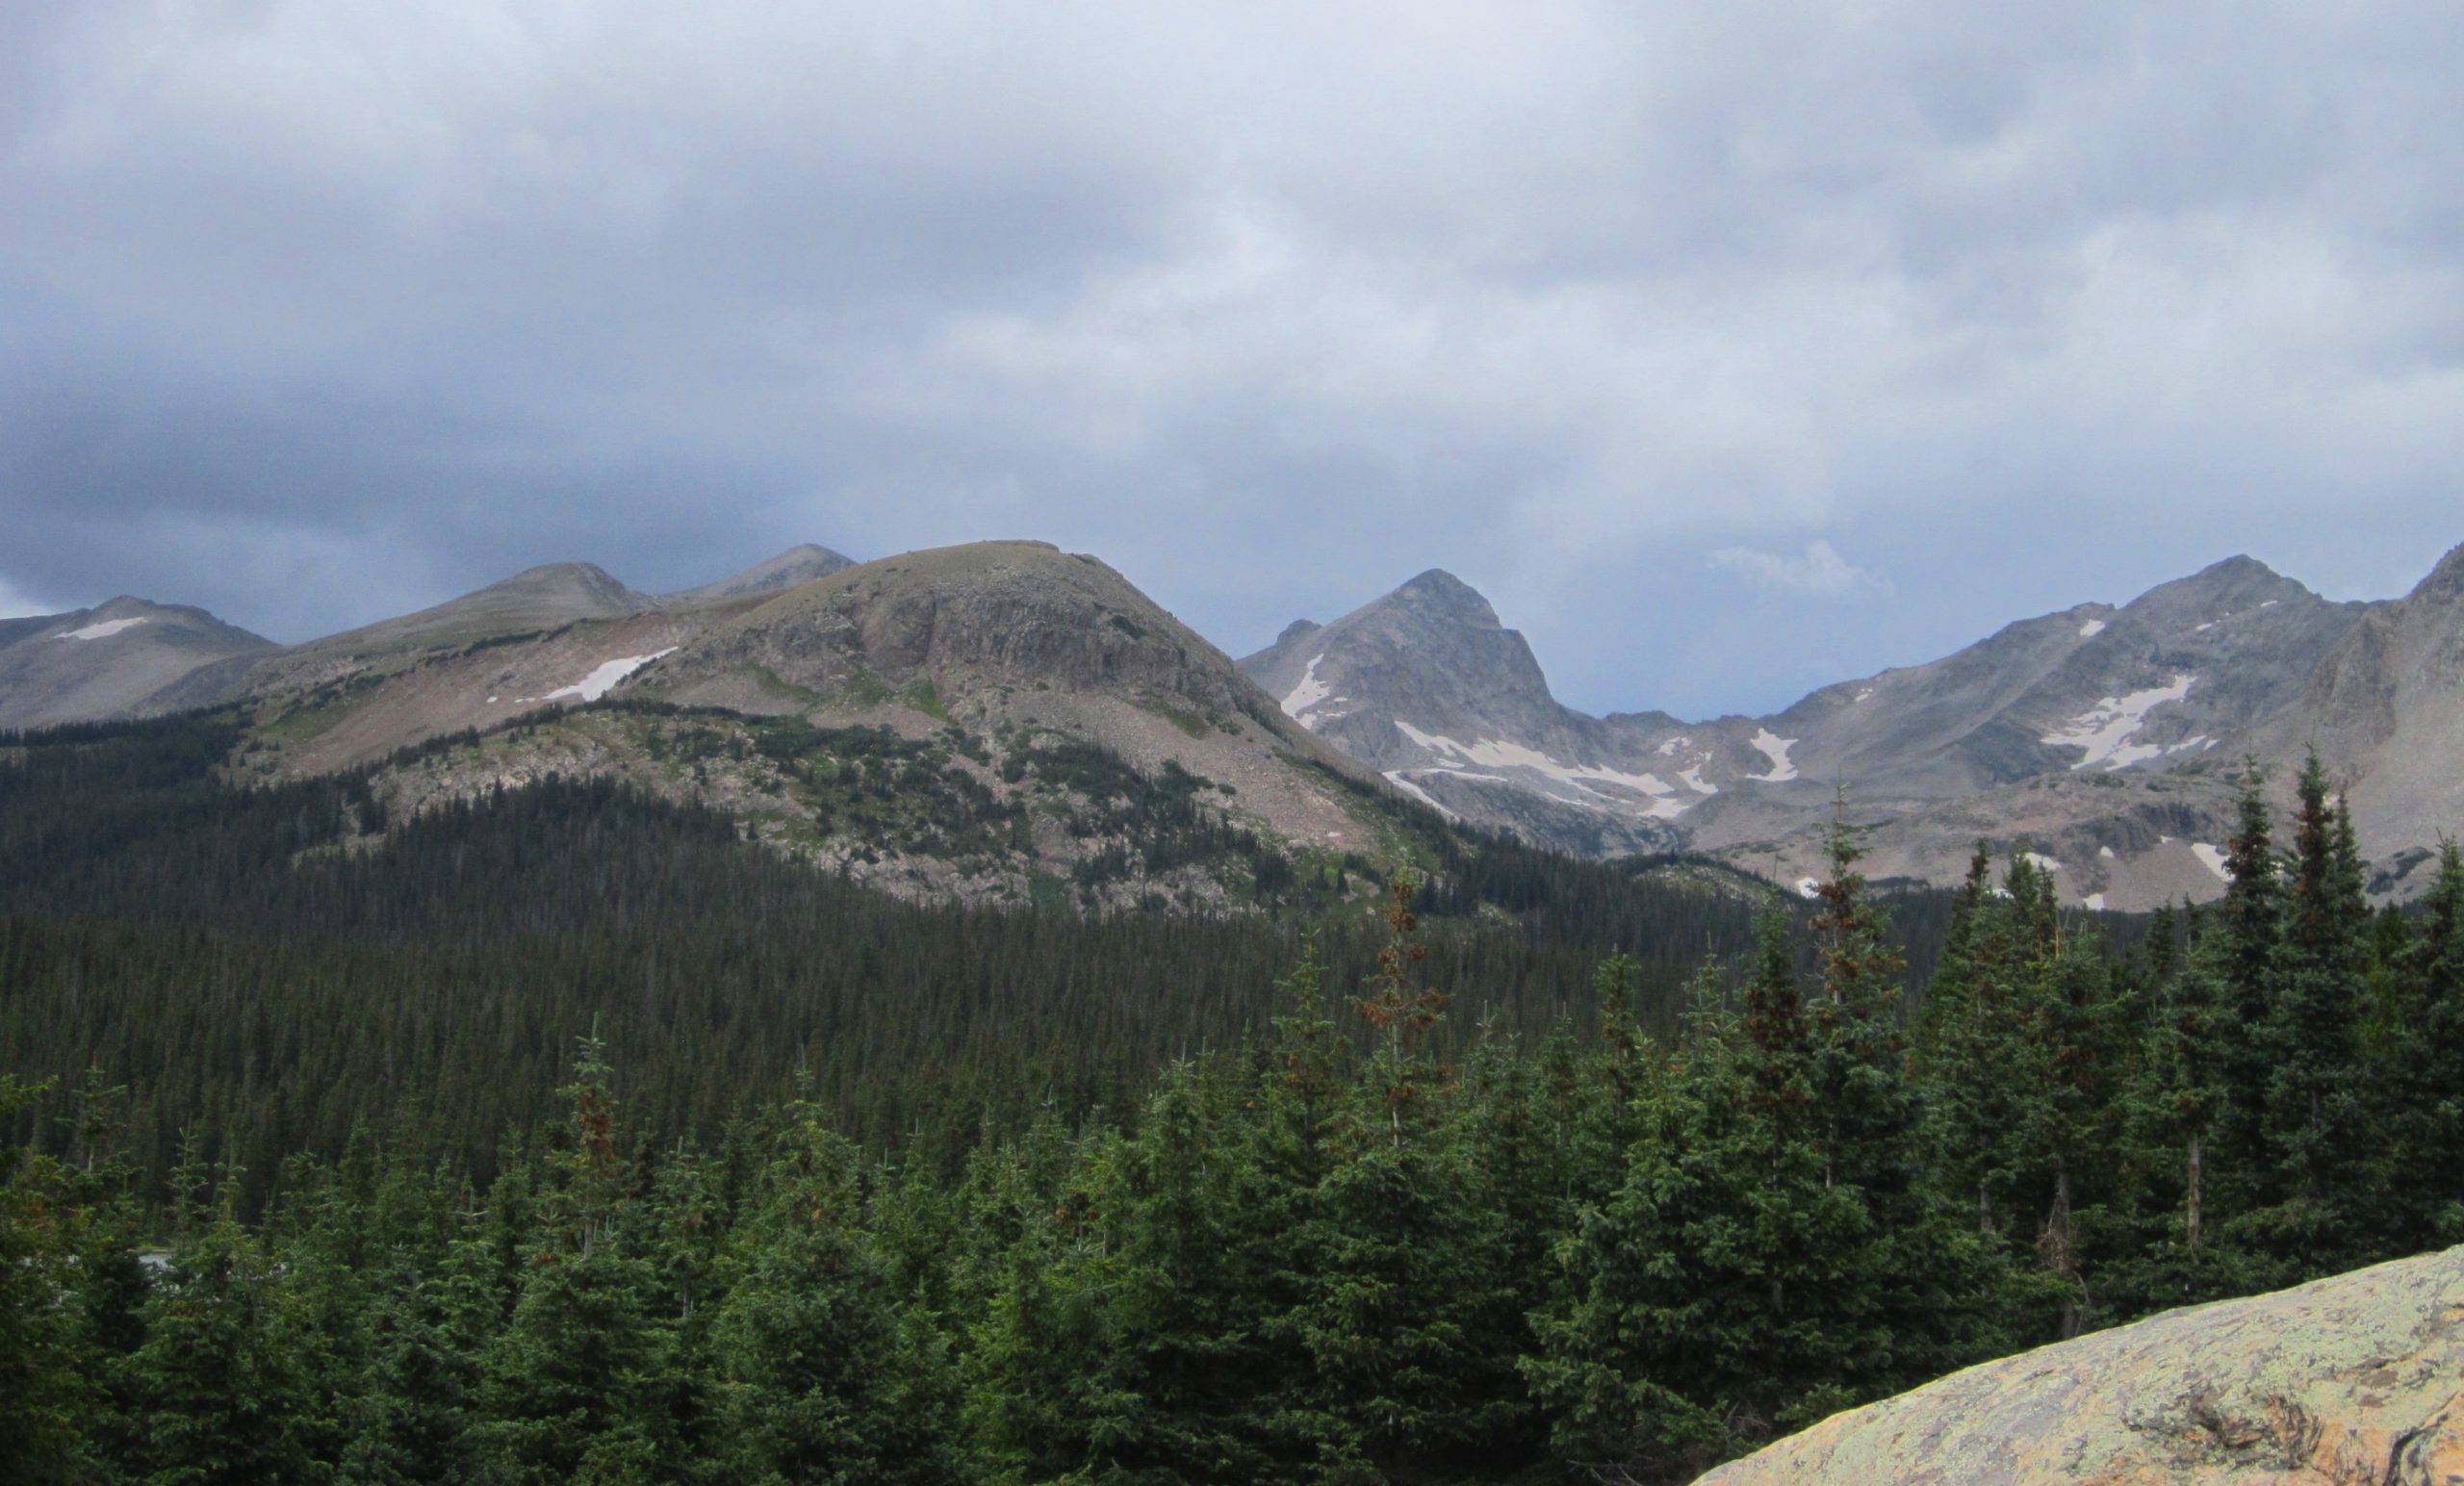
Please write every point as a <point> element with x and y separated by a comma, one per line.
<point>2235,585</point>
<point>587,580</point>
<point>1425,685</point>
<point>128,658</point>
<point>1440,594</point>
<point>974,624</point>
<point>1299,629</point>
<point>2445,581</point>
<point>802,563</point>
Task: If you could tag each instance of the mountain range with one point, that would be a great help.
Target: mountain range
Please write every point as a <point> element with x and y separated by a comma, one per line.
<point>997,722</point>
<point>2104,740</point>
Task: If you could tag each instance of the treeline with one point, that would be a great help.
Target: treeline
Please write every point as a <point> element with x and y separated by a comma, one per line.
<point>1328,1253</point>
<point>260,965</point>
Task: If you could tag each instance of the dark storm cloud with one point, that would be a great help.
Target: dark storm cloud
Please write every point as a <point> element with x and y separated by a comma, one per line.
<point>1730,349</point>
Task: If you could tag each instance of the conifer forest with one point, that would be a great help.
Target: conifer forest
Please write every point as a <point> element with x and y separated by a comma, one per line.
<point>568,1136</point>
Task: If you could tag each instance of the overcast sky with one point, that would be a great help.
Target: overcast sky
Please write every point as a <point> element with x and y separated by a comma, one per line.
<point>1729,349</point>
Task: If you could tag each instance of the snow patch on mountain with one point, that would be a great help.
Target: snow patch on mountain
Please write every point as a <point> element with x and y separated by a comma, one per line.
<point>2103,733</point>
<point>1397,779</point>
<point>2095,900</point>
<point>1808,887</point>
<point>601,680</point>
<point>2213,858</point>
<point>1694,780</point>
<point>1770,745</point>
<point>1585,778</point>
<point>2091,629</point>
<point>106,627</point>
<point>1308,692</point>
<point>2040,862</point>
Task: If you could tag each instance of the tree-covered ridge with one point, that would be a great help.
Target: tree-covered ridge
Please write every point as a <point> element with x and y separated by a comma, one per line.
<point>262,963</point>
<point>1330,1252</point>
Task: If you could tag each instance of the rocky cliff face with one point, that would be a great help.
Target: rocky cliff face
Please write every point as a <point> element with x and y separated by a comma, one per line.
<point>2352,1381</point>
<point>2385,708</point>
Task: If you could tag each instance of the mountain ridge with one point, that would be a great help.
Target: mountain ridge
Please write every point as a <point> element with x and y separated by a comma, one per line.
<point>2102,736</point>
<point>2137,703</point>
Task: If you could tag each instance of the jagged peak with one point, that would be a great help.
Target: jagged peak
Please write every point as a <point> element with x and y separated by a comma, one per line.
<point>2446,580</point>
<point>1443,593</point>
<point>1297,629</point>
<point>2233,585</point>
<point>2239,566</point>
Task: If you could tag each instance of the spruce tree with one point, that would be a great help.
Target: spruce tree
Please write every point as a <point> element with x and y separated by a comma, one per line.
<point>218,1402</point>
<point>42,1388</point>
<point>2316,1140</point>
<point>564,1389</point>
<point>2421,1075</point>
<point>831,1376</point>
<point>2249,925</point>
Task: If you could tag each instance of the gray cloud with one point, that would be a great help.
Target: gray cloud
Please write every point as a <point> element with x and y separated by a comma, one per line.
<point>312,312</point>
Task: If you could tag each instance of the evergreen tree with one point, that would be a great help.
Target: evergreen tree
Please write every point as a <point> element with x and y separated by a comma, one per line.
<point>2420,1074</point>
<point>1403,1257</point>
<point>2316,1140</point>
<point>216,1400</point>
<point>566,1385</point>
<point>1964,1058</point>
<point>42,1390</point>
<point>2250,921</point>
<point>831,1376</point>
<point>414,1421</point>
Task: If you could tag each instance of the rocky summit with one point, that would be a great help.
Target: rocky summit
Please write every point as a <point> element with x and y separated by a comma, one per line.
<point>2356,1380</point>
<point>1428,688</point>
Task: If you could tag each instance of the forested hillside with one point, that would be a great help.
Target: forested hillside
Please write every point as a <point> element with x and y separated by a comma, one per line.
<point>266,965</point>
<point>846,1190</point>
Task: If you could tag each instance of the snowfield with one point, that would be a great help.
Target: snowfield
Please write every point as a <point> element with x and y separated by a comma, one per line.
<point>1770,745</point>
<point>1396,778</point>
<point>1310,691</point>
<point>106,627</point>
<point>1582,779</point>
<point>598,684</point>
<point>2103,733</point>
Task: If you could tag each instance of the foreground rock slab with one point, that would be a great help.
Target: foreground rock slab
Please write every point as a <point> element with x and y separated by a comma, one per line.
<point>2356,1378</point>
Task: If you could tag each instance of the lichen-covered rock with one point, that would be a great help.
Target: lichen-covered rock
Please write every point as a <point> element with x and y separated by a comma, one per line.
<point>2358,1379</point>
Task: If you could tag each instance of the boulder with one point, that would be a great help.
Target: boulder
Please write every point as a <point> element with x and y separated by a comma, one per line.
<point>2356,1378</point>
